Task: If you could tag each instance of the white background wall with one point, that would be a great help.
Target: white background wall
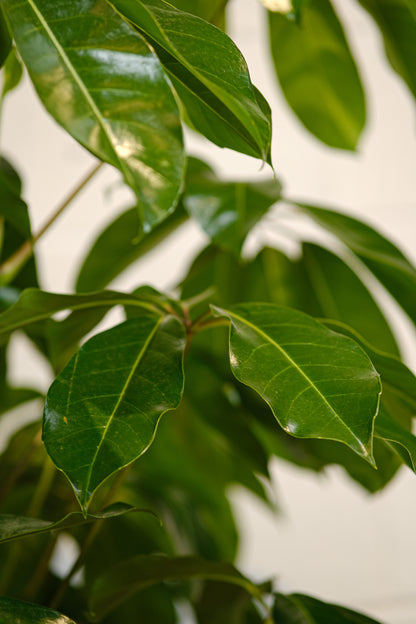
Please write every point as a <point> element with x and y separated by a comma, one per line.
<point>331,539</point>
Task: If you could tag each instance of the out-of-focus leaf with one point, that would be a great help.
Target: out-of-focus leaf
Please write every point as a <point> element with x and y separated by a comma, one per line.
<point>210,11</point>
<point>301,609</point>
<point>334,291</point>
<point>403,441</point>
<point>13,72</point>
<point>17,612</point>
<point>16,527</point>
<point>12,207</point>
<point>227,211</point>
<point>5,39</point>
<point>318,383</point>
<point>318,74</point>
<point>397,22</point>
<point>381,256</point>
<point>210,77</point>
<point>222,603</point>
<point>140,572</point>
<point>105,86</point>
<point>102,411</point>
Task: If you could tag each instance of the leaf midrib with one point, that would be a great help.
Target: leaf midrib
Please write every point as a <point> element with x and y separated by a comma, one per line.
<point>297,367</point>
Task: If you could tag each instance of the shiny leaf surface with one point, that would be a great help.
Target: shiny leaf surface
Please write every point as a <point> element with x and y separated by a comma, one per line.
<point>102,411</point>
<point>18,612</point>
<point>301,609</point>
<point>15,527</point>
<point>396,20</point>
<point>223,87</point>
<point>318,75</point>
<point>380,255</point>
<point>105,86</point>
<point>318,383</point>
<point>143,571</point>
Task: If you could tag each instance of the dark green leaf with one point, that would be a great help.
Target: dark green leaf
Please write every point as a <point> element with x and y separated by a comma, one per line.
<point>12,207</point>
<point>17,612</point>
<point>318,383</point>
<point>318,75</point>
<point>222,603</point>
<point>16,527</point>
<point>334,291</point>
<point>104,85</point>
<point>397,22</point>
<point>227,211</point>
<point>5,39</point>
<point>210,11</point>
<point>380,255</point>
<point>209,73</point>
<point>301,609</point>
<point>140,572</point>
<point>13,72</point>
<point>402,440</point>
<point>102,411</point>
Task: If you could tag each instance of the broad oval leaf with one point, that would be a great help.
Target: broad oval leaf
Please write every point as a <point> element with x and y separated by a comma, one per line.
<point>135,574</point>
<point>397,23</point>
<point>16,611</point>
<point>318,383</point>
<point>381,256</point>
<point>209,73</point>
<point>102,411</point>
<point>318,74</point>
<point>105,86</point>
<point>16,527</point>
<point>301,609</point>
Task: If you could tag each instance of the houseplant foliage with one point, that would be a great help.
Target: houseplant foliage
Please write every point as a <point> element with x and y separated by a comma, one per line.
<point>250,357</point>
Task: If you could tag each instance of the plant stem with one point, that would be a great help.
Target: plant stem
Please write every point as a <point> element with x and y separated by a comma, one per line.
<point>14,263</point>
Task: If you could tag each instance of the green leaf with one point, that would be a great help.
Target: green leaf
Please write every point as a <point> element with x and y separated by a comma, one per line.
<point>381,256</point>
<point>210,11</point>
<point>226,604</point>
<point>227,211</point>
<point>301,609</point>
<point>12,207</point>
<point>105,86</point>
<point>13,72</point>
<point>318,74</point>
<point>333,290</point>
<point>17,612</point>
<point>102,411</point>
<point>16,527</point>
<point>397,22</point>
<point>36,305</point>
<point>318,383</point>
<point>209,73</point>
<point>135,574</point>
<point>5,39</point>
<point>402,440</point>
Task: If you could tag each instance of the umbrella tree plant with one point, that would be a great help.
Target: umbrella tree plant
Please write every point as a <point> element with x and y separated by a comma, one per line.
<point>249,357</point>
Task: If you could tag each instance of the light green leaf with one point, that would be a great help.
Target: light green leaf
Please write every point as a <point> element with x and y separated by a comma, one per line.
<point>16,527</point>
<point>209,73</point>
<point>396,20</point>
<point>334,291</point>
<point>301,609</point>
<point>102,411</point>
<point>105,86</point>
<point>318,74</point>
<point>17,612</point>
<point>318,383</point>
<point>135,574</point>
<point>13,72</point>
<point>380,255</point>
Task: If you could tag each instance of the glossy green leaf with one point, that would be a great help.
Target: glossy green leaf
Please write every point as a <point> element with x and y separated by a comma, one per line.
<point>318,74</point>
<point>102,411</point>
<point>140,572</point>
<point>13,72</point>
<point>380,255</point>
<point>104,85</point>
<point>396,20</point>
<point>227,211</point>
<point>5,39</point>
<point>318,383</point>
<point>334,291</point>
<point>18,612</point>
<point>36,305</point>
<point>16,527</point>
<point>301,609</point>
<point>211,77</point>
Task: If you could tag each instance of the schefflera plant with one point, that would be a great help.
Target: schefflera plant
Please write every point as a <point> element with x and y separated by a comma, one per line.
<point>251,357</point>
